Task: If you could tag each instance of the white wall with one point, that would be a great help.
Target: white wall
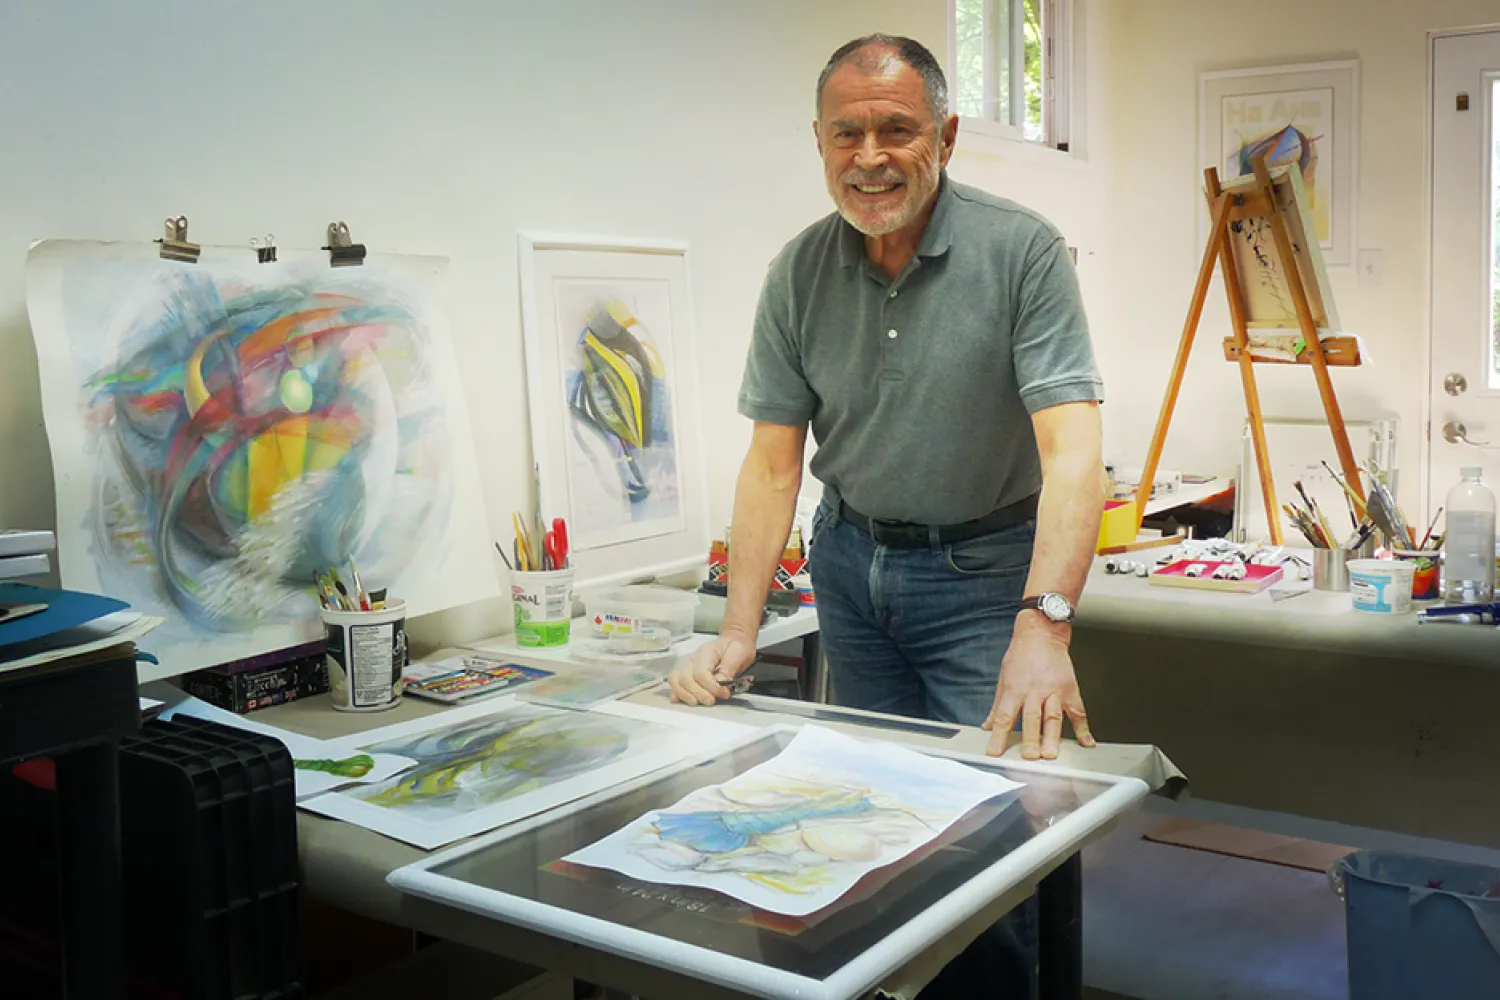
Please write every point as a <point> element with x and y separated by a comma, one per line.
<point>1151,53</point>
<point>430,128</point>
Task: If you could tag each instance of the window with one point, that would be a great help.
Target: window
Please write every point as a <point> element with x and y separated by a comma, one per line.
<point>1008,67</point>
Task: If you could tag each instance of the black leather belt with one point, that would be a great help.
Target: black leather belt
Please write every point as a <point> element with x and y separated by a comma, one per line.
<point>906,535</point>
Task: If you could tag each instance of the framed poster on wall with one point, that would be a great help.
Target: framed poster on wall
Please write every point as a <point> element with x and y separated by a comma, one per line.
<point>1305,115</point>
<point>612,376</point>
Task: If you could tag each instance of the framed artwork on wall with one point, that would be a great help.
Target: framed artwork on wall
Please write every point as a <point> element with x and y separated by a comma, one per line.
<point>1304,115</point>
<point>612,376</point>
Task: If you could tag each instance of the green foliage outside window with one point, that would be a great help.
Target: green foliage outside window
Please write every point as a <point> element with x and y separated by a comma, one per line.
<point>969,57</point>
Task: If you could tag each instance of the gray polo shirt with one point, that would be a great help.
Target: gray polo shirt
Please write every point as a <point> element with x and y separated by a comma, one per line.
<point>920,389</point>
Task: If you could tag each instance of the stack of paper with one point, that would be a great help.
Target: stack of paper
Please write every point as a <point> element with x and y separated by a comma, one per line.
<point>39,626</point>
<point>24,553</point>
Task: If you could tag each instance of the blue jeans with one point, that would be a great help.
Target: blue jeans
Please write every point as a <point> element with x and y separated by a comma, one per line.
<point>917,632</point>
<point>921,632</point>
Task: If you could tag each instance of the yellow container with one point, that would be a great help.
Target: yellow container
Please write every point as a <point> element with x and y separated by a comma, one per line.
<point>1118,525</point>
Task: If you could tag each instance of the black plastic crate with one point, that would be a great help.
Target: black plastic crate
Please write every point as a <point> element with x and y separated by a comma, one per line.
<point>273,867</point>
<point>209,813</point>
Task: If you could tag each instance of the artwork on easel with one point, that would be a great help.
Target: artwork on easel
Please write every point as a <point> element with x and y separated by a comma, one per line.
<point>1303,116</point>
<point>1264,276</point>
<point>221,429</point>
<point>612,381</point>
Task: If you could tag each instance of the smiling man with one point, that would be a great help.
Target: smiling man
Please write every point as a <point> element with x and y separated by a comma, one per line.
<point>934,338</point>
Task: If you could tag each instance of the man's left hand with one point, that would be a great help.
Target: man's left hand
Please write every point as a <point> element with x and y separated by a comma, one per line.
<point>1036,683</point>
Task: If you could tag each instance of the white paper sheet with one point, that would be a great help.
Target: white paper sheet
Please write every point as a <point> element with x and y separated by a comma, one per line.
<point>795,833</point>
<point>302,748</point>
<point>485,765</point>
<point>220,429</point>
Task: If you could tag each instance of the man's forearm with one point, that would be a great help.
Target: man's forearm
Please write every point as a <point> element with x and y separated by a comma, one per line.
<point>1067,527</point>
<point>764,504</point>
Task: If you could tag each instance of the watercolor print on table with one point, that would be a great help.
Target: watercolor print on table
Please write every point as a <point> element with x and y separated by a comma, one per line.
<point>484,765</point>
<point>221,430</point>
<point>795,833</point>
<point>618,373</point>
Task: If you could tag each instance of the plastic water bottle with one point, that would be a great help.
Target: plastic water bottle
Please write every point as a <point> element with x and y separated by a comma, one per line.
<point>1469,541</point>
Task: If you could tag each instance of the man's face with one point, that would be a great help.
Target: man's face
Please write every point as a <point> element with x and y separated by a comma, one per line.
<point>881,149</point>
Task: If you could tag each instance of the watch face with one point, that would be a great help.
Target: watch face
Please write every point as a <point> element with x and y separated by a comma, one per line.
<point>1056,607</point>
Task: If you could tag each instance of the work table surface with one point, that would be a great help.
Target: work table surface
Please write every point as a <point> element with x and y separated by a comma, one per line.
<point>1316,620</point>
<point>347,865</point>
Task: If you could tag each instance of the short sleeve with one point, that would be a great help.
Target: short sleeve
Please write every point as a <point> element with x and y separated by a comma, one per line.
<point>1051,349</point>
<point>775,388</point>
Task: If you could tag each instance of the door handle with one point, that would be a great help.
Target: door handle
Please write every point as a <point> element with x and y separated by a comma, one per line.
<point>1456,433</point>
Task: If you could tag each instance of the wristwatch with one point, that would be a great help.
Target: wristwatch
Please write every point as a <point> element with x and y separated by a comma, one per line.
<point>1056,607</point>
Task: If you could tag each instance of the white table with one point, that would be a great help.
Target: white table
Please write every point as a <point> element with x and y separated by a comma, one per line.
<point>1301,706</point>
<point>347,866</point>
<point>803,624</point>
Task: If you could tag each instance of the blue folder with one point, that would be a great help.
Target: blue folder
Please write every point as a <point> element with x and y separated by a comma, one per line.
<point>65,609</point>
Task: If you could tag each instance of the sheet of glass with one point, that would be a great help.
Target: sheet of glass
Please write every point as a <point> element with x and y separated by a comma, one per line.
<point>525,866</point>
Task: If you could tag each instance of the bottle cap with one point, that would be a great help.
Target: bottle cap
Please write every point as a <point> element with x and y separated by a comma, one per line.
<point>1471,472</point>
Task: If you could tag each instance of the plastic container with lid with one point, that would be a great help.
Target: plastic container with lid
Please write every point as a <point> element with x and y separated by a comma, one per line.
<point>633,608</point>
<point>1469,541</point>
<point>1381,586</point>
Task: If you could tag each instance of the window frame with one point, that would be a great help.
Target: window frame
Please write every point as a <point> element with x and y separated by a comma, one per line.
<point>1056,66</point>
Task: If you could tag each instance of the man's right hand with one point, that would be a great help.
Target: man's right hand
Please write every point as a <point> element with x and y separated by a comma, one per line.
<point>705,678</point>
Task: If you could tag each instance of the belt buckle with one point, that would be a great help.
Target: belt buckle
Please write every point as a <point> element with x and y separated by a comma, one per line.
<point>896,533</point>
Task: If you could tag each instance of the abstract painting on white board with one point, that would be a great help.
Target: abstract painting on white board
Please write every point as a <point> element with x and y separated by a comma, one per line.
<point>221,429</point>
<point>612,379</point>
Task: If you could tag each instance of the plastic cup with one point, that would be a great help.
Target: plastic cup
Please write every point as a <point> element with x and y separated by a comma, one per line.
<point>366,656</point>
<point>543,603</point>
<point>1424,580</point>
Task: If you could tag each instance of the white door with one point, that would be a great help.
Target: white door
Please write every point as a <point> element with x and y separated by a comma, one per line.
<point>1465,292</point>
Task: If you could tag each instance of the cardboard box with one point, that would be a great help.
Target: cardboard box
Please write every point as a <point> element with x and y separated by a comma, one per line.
<point>791,572</point>
<point>261,681</point>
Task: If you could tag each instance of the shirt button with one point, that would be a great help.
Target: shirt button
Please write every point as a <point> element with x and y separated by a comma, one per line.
<point>893,293</point>
<point>891,334</point>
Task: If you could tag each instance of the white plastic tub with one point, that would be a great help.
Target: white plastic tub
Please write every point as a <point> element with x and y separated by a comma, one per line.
<point>1381,586</point>
<point>631,609</point>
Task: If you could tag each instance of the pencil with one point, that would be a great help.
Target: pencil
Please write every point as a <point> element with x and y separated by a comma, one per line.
<point>503,557</point>
<point>524,543</point>
<point>1427,535</point>
<point>1350,492</point>
<point>359,586</point>
<point>539,537</point>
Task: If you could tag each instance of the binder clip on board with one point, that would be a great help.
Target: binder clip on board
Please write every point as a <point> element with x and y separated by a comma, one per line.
<point>175,245</point>
<point>342,251</point>
<point>264,247</point>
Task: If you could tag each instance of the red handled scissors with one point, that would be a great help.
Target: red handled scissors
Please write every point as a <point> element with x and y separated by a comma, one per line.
<point>557,543</point>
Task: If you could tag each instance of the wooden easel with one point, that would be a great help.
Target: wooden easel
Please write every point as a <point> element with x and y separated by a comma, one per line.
<point>1240,205</point>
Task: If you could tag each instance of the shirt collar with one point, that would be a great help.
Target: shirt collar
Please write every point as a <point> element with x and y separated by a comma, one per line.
<point>936,238</point>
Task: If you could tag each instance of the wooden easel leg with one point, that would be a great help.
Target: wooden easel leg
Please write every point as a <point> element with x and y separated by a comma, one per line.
<point>1309,330</point>
<point>1220,211</point>
<point>1247,369</point>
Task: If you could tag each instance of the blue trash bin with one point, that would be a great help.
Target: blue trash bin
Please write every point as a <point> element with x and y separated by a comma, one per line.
<point>1419,928</point>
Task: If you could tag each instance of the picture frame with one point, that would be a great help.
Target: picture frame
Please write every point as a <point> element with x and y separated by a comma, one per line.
<point>612,376</point>
<point>1306,113</point>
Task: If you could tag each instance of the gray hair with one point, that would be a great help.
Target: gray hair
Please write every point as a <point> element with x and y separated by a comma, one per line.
<point>907,50</point>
